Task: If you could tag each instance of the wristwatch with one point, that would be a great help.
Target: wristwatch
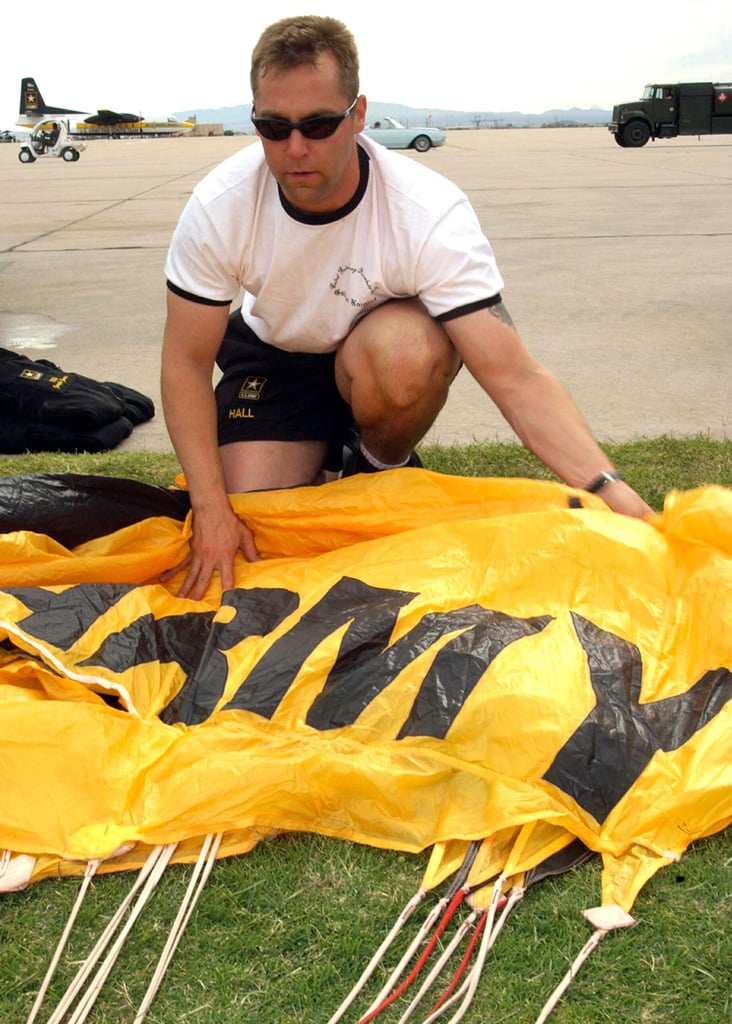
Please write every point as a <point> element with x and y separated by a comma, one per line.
<point>600,481</point>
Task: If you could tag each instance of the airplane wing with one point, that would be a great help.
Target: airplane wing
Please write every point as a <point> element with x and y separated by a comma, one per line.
<point>111,117</point>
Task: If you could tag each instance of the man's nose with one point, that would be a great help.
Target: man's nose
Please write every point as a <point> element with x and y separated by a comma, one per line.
<point>297,144</point>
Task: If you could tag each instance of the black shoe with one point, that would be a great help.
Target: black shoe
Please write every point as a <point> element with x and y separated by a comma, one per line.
<point>356,462</point>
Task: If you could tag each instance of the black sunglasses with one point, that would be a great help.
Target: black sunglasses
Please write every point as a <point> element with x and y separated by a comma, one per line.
<point>277,129</point>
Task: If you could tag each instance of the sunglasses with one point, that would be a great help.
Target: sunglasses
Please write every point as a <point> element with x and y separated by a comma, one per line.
<point>277,129</point>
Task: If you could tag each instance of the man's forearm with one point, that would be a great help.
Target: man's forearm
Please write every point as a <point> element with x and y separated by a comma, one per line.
<point>532,400</point>
<point>190,415</point>
<point>550,425</point>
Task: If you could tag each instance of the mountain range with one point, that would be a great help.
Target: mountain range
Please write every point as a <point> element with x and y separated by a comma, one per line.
<point>237,119</point>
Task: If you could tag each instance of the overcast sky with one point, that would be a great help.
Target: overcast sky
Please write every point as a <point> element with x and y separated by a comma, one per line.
<point>528,56</point>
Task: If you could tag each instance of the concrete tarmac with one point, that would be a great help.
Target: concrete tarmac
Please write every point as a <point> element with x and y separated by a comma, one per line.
<point>616,262</point>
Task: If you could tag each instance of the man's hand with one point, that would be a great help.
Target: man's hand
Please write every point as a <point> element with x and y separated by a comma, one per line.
<point>621,498</point>
<point>217,537</point>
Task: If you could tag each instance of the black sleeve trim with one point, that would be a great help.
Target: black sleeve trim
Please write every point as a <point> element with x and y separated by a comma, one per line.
<point>470,308</point>
<point>196,298</point>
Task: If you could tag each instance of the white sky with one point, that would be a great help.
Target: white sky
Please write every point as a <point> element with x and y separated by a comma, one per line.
<point>531,56</point>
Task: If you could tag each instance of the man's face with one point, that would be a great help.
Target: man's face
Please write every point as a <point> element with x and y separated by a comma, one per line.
<point>316,175</point>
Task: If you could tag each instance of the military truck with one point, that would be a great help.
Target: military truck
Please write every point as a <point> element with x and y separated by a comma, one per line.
<point>665,111</point>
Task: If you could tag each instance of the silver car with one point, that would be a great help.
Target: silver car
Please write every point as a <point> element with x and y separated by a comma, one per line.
<point>393,135</point>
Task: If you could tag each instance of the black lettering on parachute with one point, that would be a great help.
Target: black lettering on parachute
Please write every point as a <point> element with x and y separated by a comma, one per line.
<point>192,640</point>
<point>63,618</point>
<point>457,668</point>
<point>604,757</point>
<point>258,612</point>
<point>363,671</point>
<point>596,767</point>
<point>371,613</point>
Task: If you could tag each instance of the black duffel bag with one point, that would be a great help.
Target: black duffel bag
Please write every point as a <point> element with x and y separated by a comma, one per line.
<point>45,408</point>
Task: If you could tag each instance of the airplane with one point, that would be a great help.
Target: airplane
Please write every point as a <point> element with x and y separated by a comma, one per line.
<point>102,125</point>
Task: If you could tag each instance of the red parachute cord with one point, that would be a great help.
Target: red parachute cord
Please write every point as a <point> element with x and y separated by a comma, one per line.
<point>467,957</point>
<point>466,991</point>
<point>446,918</point>
<point>379,955</point>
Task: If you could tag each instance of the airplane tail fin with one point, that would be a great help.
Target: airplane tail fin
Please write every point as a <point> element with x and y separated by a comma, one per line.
<point>32,104</point>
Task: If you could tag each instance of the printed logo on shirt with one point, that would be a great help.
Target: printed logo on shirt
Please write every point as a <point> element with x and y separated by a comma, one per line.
<point>351,284</point>
<point>251,389</point>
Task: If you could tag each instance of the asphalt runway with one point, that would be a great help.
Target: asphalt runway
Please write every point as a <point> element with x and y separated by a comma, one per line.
<point>616,261</point>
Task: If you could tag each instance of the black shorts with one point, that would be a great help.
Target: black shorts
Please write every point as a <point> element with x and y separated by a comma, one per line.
<point>267,394</point>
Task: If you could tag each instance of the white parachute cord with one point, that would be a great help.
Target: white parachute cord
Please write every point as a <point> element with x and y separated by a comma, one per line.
<point>592,943</point>
<point>457,938</point>
<point>86,881</point>
<point>396,974</point>
<point>201,872</point>
<point>378,956</point>
<point>104,939</point>
<point>465,993</point>
<point>486,946</point>
<point>86,1003</point>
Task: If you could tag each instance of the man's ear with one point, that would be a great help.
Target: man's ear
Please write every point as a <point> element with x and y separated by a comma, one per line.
<point>359,115</point>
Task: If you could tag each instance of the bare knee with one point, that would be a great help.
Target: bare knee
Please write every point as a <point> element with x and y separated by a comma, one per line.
<point>398,351</point>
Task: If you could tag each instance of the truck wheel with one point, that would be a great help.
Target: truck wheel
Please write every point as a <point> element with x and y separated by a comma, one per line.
<point>619,139</point>
<point>636,133</point>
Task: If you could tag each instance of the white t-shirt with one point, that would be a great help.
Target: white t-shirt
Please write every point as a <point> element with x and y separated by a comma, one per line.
<point>308,277</point>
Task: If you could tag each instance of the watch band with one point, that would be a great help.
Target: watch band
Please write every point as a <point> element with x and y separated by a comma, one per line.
<point>600,481</point>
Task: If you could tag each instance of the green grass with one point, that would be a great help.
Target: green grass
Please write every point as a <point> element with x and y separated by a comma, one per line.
<point>281,934</point>
<point>654,467</point>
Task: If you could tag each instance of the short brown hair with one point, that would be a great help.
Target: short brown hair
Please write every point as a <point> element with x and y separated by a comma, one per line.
<point>291,42</point>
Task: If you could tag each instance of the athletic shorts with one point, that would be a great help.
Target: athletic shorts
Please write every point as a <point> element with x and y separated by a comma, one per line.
<point>266,394</point>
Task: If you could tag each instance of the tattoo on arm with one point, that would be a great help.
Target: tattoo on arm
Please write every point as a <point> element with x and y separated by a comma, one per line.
<point>500,312</point>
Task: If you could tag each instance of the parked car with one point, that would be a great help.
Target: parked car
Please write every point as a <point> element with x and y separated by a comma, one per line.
<point>395,136</point>
<point>6,136</point>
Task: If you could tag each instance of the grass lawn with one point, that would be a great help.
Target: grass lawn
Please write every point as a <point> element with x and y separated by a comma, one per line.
<point>281,934</point>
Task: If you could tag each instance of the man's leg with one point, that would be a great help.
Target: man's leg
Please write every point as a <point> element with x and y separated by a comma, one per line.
<point>394,370</point>
<point>267,465</point>
<point>277,412</point>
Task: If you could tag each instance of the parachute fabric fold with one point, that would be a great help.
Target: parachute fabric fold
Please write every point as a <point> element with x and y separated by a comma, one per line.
<point>418,659</point>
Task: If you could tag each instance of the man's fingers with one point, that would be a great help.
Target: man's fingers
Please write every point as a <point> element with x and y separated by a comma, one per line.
<point>247,545</point>
<point>196,584</point>
<point>196,581</point>
<point>202,570</point>
<point>169,574</point>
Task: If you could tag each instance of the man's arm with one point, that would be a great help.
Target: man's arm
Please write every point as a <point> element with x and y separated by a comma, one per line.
<point>192,337</point>
<point>535,404</point>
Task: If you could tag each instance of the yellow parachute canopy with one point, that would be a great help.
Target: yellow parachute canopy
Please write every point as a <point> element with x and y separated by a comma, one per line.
<point>418,660</point>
